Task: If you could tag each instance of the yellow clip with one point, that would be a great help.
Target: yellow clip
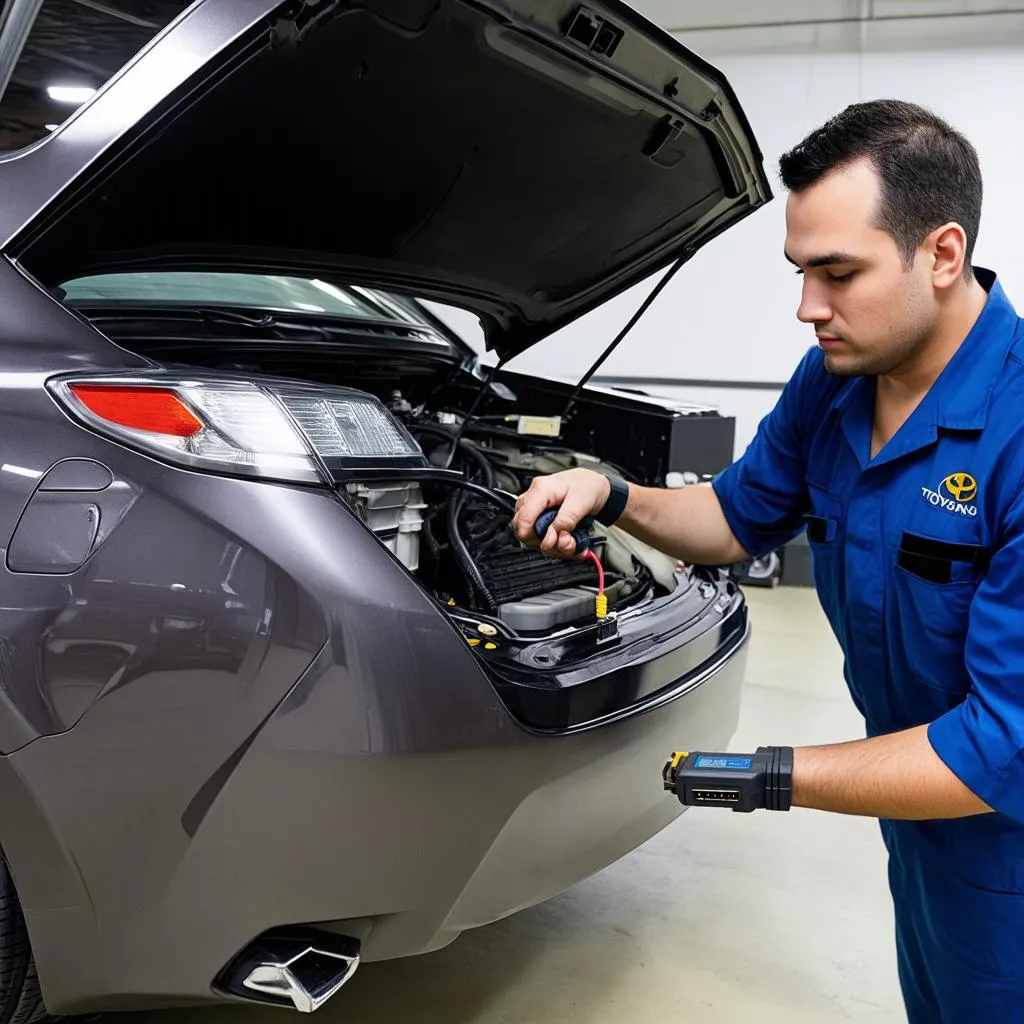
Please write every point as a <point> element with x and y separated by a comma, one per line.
<point>601,605</point>
<point>490,647</point>
<point>678,757</point>
<point>451,602</point>
<point>472,640</point>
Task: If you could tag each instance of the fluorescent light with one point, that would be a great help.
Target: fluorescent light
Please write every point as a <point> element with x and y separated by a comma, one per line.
<point>70,93</point>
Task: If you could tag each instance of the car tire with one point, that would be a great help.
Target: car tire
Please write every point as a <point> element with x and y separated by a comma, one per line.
<point>20,999</point>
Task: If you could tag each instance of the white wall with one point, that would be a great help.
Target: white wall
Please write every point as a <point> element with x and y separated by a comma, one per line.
<point>730,314</point>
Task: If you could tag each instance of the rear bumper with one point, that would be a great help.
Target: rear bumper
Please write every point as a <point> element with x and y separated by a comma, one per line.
<point>603,798</point>
<point>401,853</point>
<point>384,791</point>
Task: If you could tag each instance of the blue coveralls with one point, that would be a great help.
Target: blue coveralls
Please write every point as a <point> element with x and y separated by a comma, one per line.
<point>918,560</point>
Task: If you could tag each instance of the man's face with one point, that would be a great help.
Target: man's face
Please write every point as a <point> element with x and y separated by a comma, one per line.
<point>871,315</point>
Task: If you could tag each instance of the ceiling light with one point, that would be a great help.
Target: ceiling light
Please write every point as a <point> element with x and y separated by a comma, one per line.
<point>70,93</point>
<point>51,127</point>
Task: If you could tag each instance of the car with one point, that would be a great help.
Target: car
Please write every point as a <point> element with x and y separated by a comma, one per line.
<point>279,691</point>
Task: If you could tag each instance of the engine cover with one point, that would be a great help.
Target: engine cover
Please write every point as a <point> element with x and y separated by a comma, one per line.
<point>546,611</point>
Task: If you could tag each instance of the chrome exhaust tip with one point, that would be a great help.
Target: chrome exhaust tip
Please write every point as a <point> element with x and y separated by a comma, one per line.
<point>308,979</point>
<point>300,968</point>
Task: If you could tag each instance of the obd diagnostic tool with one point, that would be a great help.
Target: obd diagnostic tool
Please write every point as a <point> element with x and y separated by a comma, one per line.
<point>744,782</point>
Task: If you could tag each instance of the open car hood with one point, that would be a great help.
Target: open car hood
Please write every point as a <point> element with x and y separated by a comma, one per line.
<point>526,160</point>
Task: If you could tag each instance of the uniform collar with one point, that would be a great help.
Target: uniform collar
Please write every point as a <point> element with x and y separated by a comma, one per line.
<point>963,390</point>
<point>958,400</point>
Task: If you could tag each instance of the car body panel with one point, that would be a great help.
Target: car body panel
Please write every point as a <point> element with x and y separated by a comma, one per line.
<point>336,730</point>
<point>403,850</point>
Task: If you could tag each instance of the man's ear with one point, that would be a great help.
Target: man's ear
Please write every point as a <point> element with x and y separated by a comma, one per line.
<point>947,248</point>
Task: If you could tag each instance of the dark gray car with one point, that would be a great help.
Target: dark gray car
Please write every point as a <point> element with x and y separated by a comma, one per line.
<point>278,689</point>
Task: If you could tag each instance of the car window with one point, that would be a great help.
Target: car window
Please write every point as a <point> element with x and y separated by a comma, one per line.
<point>263,291</point>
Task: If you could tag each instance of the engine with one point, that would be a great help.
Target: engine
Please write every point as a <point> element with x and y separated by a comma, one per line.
<point>460,545</point>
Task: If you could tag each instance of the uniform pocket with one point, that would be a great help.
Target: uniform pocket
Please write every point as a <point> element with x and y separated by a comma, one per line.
<point>957,891</point>
<point>987,853</point>
<point>935,582</point>
<point>823,537</point>
<point>940,561</point>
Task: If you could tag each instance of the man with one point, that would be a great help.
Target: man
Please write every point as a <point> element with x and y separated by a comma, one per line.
<point>899,444</point>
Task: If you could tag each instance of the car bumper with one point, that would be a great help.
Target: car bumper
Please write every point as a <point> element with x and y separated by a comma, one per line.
<point>402,854</point>
<point>387,794</point>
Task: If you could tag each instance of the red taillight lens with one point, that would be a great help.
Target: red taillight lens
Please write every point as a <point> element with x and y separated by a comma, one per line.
<point>157,410</point>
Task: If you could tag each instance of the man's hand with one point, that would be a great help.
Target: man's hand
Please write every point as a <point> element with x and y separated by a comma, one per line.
<point>580,492</point>
<point>687,523</point>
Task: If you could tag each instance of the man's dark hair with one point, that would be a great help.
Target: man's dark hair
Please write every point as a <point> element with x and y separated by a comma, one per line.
<point>929,172</point>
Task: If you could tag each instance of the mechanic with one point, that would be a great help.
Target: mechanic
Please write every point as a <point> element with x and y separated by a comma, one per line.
<point>899,444</point>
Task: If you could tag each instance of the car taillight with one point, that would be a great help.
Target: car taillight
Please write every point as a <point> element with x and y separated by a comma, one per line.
<point>272,430</point>
<point>154,410</point>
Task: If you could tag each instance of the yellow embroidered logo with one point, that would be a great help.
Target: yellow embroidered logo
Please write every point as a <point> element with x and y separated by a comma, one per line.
<point>955,494</point>
<point>961,486</point>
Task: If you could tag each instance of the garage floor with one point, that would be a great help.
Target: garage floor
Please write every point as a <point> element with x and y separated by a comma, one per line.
<point>722,919</point>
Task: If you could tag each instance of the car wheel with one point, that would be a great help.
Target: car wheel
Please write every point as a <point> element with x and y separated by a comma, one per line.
<point>20,999</point>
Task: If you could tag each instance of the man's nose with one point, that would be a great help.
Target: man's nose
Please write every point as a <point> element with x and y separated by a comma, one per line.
<point>813,308</point>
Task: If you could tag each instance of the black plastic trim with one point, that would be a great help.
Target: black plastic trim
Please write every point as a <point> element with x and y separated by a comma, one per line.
<point>653,658</point>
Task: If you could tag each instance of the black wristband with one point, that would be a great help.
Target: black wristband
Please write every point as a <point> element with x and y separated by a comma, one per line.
<point>616,503</point>
<point>778,789</point>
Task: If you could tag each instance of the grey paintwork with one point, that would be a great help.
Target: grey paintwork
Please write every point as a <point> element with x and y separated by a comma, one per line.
<point>317,744</point>
<point>240,712</point>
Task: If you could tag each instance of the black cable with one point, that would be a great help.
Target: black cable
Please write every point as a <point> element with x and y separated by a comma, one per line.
<point>644,306</point>
<point>469,568</point>
<point>464,446</point>
<point>433,474</point>
<point>508,504</point>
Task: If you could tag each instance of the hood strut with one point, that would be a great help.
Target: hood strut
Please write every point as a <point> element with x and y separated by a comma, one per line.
<point>634,319</point>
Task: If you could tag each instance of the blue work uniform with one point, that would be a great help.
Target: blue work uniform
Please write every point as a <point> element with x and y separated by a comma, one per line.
<point>918,560</point>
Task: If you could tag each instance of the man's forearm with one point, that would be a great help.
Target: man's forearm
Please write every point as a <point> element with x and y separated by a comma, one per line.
<point>687,523</point>
<point>896,776</point>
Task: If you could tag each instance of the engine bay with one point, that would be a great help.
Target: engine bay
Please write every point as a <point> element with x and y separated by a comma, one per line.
<point>460,545</point>
<point>484,441</point>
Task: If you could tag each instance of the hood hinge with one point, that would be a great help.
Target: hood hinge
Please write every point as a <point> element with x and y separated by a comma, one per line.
<point>297,19</point>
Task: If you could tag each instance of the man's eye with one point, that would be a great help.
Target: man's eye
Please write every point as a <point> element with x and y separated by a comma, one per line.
<point>840,278</point>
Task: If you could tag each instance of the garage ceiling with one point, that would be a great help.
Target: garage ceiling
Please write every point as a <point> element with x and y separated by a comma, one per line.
<point>685,15</point>
<point>73,43</point>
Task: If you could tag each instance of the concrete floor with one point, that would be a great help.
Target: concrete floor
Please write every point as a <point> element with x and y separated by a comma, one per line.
<point>723,918</point>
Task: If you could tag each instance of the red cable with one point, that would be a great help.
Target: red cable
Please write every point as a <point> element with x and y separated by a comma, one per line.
<point>591,556</point>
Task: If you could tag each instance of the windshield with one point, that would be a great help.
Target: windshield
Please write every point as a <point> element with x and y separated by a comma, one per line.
<point>263,291</point>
